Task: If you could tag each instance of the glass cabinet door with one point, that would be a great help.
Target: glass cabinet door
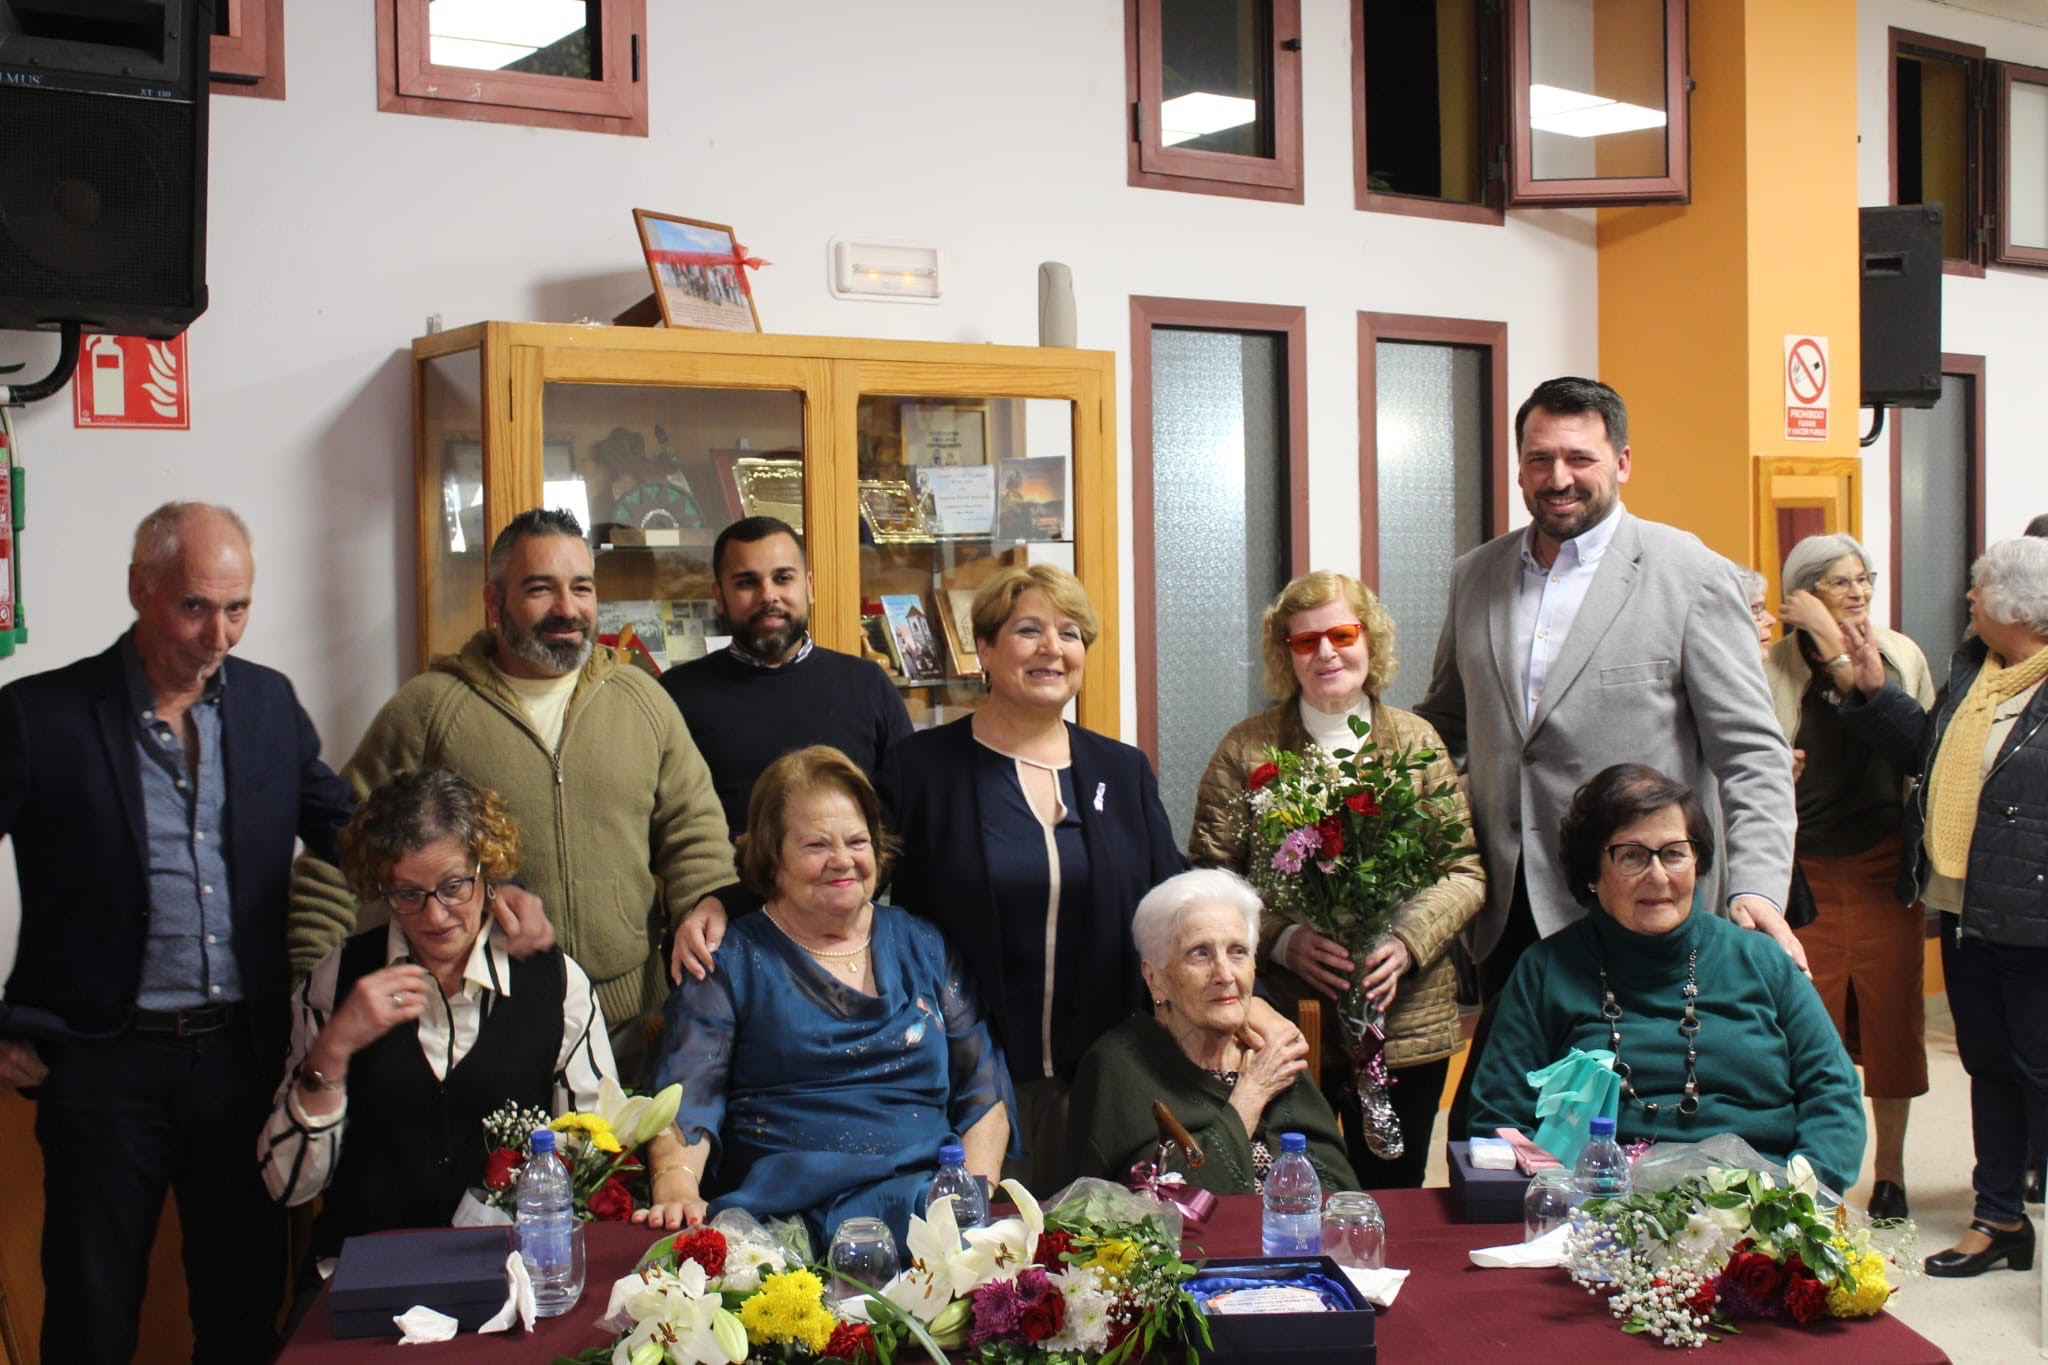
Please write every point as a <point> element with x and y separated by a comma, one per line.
<point>950,491</point>
<point>654,472</point>
<point>453,543</point>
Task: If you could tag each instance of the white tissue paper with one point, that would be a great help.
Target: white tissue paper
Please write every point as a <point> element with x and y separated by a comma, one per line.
<point>1378,1286</point>
<point>519,1302</point>
<point>419,1325</point>
<point>1547,1250</point>
<point>473,1212</point>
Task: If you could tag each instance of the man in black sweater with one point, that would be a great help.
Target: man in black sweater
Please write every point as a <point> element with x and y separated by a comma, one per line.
<point>774,689</point>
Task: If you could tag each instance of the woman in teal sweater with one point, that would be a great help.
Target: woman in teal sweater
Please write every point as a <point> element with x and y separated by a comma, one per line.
<point>1647,978</point>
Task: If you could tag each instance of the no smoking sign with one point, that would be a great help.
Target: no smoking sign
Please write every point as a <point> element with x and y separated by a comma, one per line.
<point>1806,388</point>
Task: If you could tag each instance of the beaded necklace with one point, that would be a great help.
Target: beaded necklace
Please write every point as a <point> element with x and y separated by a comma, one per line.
<point>851,961</point>
<point>1688,1029</point>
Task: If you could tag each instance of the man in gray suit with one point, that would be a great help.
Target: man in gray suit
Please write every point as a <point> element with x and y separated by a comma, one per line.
<point>1590,638</point>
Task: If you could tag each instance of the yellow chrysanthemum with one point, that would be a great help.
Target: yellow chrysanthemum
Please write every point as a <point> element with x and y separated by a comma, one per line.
<point>788,1307</point>
<point>1114,1257</point>
<point>592,1128</point>
<point>1864,1290</point>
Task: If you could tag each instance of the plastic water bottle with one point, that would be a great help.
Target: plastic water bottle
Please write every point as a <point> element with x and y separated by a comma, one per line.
<point>550,1238</point>
<point>1601,1171</point>
<point>970,1204</point>
<point>1292,1221</point>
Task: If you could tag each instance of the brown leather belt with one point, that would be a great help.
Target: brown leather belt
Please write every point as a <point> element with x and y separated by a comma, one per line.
<point>188,1022</point>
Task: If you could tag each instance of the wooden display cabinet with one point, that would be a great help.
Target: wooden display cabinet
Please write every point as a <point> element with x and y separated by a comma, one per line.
<point>666,436</point>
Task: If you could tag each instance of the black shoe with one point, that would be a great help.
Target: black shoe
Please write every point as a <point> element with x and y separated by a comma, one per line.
<point>1888,1203</point>
<point>2034,1180</point>
<point>2014,1246</point>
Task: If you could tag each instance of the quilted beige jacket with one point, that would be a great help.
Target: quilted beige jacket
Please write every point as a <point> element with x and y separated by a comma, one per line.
<point>1424,1023</point>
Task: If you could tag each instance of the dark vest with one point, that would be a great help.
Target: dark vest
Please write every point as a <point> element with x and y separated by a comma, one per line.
<point>414,1143</point>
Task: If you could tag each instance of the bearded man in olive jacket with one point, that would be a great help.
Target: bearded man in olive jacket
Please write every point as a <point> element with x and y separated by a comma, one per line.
<point>620,828</point>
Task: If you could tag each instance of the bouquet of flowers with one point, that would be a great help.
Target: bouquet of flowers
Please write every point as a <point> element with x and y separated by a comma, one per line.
<point>1099,1279</point>
<point>597,1148</point>
<point>1340,840</point>
<point>1680,1262</point>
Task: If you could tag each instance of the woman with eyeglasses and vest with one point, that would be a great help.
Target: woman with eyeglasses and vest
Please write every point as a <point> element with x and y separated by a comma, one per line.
<point>1328,649</point>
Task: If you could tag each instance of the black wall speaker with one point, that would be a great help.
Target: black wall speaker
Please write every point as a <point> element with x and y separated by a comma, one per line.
<point>1902,306</point>
<point>103,163</point>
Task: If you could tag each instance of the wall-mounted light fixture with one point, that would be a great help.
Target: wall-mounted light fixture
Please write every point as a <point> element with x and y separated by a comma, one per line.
<point>902,272</point>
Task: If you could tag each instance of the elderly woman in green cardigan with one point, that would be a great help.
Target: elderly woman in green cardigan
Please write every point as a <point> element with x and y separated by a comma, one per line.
<point>1714,1030</point>
<point>1197,936</point>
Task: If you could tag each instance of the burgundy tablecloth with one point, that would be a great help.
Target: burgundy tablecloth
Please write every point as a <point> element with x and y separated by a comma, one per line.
<point>1449,1310</point>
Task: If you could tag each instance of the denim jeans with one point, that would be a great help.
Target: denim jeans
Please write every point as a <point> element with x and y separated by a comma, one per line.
<point>1999,997</point>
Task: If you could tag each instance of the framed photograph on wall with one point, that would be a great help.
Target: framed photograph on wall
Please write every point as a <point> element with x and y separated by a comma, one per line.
<point>699,271</point>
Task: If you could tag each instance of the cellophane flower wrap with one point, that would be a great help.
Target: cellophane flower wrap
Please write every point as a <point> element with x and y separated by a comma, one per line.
<point>1712,1233</point>
<point>598,1148</point>
<point>1340,840</point>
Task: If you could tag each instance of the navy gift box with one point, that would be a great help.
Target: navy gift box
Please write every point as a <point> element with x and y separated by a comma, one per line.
<point>457,1271</point>
<point>1486,1196</point>
<point>1336,1337</point>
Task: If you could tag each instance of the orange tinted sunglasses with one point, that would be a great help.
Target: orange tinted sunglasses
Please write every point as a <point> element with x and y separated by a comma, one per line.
<point>1339,637</point>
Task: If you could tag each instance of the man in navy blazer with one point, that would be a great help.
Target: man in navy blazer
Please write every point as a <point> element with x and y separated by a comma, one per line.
<point>155,793</point>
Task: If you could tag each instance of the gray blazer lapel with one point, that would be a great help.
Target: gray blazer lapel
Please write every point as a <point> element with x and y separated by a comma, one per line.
<point>1503,586</point>
<point>1612,583</point>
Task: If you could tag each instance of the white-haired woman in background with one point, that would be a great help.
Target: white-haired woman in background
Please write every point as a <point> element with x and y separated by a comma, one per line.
<point>1975,832</point>
<point>1197,937</point>
<point>1865,949</point>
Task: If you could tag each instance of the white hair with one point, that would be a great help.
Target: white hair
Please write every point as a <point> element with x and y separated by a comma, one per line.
<point>1755,587</point>
<point>1157,921</point>
<point>2011,579</point>
<point>1815,555</point>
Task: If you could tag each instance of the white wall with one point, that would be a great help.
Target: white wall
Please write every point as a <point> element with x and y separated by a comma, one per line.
<point>1997,317</point>
<point>994,130</point>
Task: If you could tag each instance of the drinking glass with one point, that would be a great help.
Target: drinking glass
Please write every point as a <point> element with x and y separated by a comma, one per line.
<point>862,1251</point>
<point>1551,1197</point>
<point>1354,1234</point>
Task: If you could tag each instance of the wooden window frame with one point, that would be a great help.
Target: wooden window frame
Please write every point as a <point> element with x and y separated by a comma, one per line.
<point>409,83</point>
<point>1970,367</point>
<point>1373,328</point>
<point>1149,165</point>
<point>249,58</point>
<point>1900,40</point>
<point>1673,187</point>
<point>1491,210</point>
<point>1146,314</point>
<point>2004,251</point>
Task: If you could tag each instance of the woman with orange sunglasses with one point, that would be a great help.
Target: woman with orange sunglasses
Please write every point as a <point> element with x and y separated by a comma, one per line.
<point>1328,647</point>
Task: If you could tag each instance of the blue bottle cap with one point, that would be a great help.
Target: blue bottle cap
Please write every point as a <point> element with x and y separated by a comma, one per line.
<point>1293,1142</point>
<point>952,1154</point>
<point>543,1140</point>
<point>1603,1127</point>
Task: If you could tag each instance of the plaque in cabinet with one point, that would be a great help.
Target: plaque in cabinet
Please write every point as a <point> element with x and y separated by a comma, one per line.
<point>771,488</point>
<point>893,513</point>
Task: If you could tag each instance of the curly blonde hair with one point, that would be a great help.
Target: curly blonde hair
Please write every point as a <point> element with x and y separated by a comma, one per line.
<point>416,809</point>
<point>820,768</point>
<point>1315,589</point>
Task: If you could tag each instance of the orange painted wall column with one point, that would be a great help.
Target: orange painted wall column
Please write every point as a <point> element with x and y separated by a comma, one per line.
<point>1696,301</point>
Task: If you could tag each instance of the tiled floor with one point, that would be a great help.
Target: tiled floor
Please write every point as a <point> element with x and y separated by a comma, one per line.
<point>1992,1319</point>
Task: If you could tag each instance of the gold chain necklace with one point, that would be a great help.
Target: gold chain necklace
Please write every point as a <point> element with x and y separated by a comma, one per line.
<point>849,961</point>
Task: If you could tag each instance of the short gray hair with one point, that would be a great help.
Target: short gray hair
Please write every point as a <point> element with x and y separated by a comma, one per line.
<point>160,536</point>
<point>1158,918</point>
<point>1813,556</point>
<point>535,521</point>
<point>2011,579</point>
<point>1755,587</point>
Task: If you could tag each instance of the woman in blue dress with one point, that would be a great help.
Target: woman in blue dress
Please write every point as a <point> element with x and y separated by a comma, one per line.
<point>840,1042</point>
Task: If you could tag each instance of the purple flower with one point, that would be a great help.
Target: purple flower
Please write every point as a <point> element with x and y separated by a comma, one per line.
<point>1034,1284</point>
<point>996,1307</point>
<point>1296,847</point>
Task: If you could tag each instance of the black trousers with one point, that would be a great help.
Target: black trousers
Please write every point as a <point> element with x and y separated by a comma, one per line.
<point>120,1121</point>
<point>1517,936</point>
<point>1415,1095</point>
<point>1999,997</point>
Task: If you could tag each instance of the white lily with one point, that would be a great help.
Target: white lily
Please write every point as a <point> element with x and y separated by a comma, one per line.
<point>634,1119</point>
<point>1800,1175</point>
<point>940,1267</point>
<point>675,1318</point>
<point>1006,1247</point>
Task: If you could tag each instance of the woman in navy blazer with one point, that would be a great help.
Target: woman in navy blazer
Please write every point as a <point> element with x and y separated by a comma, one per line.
<point>1030,841</point>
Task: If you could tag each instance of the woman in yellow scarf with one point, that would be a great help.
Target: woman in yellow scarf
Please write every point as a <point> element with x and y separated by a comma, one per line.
<point>1976,833</point>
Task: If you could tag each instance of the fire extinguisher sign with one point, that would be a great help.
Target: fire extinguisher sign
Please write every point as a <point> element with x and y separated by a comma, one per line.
<point>132,382</point>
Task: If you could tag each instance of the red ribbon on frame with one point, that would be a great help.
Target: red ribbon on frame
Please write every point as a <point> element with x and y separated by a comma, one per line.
<point>1195,1205</point>
<point>737,258</point>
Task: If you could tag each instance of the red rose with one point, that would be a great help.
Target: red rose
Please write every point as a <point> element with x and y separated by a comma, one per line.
<point>1040,1320</point>
<point>705,1246</point>
<point>1701,1303</point>
<point>1807,1299</point>
<point>1052,1248</point>
<point>851,1341</point>
<point>1333,837</point>
<point>1365,803</point>
<point>1261,775</point>
<point>611,1202</point>
<point>501,1168</point>
<point>1759,1276</point>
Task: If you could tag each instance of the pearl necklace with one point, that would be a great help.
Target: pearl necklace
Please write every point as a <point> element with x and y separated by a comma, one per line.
<point>852,961</point>
<point>1688,1029</point>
